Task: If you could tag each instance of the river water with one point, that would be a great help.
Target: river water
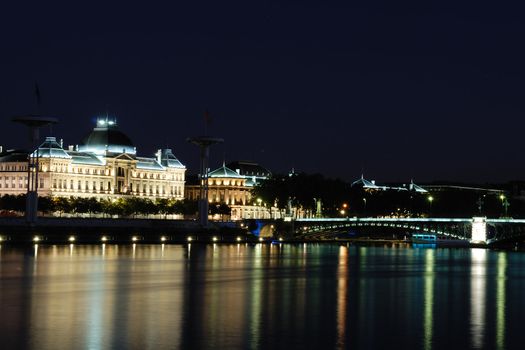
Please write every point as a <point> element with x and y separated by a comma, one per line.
<point>239,296</point>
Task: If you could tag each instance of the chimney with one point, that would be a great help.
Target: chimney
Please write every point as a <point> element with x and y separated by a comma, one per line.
<point>159,156</point>
<point>1,149</point>
<point>70,148</point>
<point>61,143</point>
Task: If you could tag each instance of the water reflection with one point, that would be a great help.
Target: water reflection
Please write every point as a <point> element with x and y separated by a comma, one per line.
<point>478,281</point>
<point>428,319</point>
<point>342,296</point>
<point>501,300</point>
<point>257,296</point>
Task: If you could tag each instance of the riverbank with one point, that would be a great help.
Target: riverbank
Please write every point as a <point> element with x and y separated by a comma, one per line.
<point>96,230</point>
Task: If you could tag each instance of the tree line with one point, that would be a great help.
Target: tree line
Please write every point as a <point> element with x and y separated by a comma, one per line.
<point>123,206</point>
<point>341,199</point>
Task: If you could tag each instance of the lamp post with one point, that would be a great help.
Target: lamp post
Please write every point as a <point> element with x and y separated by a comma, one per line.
<point>430,200</point>
<point>204,143</point>
<point>364,206</point>
<point>480,203</point>
<point>33,123</point>
<point>505,204</point>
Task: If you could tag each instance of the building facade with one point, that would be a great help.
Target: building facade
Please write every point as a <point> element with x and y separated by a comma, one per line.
<point>234,188</point>
<point>104,165</point>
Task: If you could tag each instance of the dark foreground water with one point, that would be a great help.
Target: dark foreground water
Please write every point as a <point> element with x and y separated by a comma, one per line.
<point>260,296</point>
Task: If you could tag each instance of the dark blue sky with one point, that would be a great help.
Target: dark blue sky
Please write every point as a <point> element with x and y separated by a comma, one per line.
<point>429,91</point>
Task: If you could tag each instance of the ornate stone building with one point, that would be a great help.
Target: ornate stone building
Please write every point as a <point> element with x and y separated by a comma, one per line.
<point>234,188</point>
<point>105,165</point>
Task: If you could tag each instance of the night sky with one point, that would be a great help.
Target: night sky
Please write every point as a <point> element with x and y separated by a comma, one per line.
<point>412,90</point>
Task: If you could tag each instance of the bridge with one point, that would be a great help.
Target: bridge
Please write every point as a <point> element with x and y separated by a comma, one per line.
<point>475,230</point>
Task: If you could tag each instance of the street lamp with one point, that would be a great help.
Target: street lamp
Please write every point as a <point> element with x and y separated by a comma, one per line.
<point>364,207</point>
<point>430,200</point>
<point>504,203</point>
<point>480,203</point>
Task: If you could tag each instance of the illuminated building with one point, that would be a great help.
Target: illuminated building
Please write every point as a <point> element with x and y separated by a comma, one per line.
<point>104,165</point>
<point>234,188</point>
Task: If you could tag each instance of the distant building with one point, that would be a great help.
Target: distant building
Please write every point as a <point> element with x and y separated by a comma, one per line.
<point>371,186</point>
<point>104,165</point>
<point>250,169</point>
<point>234,188</point>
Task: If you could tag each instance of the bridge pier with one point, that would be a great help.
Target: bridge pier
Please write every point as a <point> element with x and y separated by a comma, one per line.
<point>479,230</point>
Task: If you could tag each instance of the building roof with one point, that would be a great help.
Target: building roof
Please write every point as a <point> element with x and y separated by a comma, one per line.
<point>85,158</point>
<point>167,159</point>
<point>148,163</point>
<point>224,171</point>
<point>365,183</point>
<point>13,155</point>
<point>249,168</point>
<point>106,137</point>
<point>50,148</point>
<point>416,188</point>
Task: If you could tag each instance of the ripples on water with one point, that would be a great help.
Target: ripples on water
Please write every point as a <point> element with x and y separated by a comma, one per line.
<point>259,296</point>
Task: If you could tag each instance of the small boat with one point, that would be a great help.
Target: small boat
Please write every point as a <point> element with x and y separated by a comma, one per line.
<point>424,238</point>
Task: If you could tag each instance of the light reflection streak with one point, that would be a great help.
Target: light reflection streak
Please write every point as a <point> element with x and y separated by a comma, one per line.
<point>103,249</point>
<point>134,250</point>
<point>256,295</point>
<point>501,300</point>
<point>428,321</point>
<point>71,246</point>
<point>478,296</point>
<point>162,250</point>
<point>342,295</point>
